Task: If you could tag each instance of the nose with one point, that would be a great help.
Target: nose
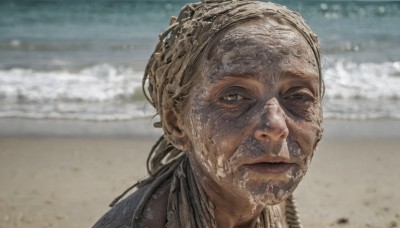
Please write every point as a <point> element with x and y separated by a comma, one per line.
<point>272,124</point>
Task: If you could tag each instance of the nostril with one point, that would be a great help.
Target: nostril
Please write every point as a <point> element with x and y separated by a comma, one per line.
<point>284,134</point>
<point>271,134</point>
<point>261,135</point>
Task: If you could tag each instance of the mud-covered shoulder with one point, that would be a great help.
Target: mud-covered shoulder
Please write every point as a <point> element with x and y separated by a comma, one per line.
<point>153,215</point>
<point>121,215</point>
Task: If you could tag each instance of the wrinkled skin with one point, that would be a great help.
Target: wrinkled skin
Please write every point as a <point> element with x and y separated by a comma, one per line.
<point>254,119</point>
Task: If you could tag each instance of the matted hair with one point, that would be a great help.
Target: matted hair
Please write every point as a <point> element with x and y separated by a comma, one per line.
<point>169,75</point>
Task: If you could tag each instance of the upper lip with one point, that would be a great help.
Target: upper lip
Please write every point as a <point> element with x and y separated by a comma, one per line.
<point>270,159</point>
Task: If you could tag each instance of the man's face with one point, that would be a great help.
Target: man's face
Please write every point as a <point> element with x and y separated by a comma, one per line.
<point>255,117</point>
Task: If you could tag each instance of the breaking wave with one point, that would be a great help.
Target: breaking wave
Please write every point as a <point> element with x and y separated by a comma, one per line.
<point>106,92</point>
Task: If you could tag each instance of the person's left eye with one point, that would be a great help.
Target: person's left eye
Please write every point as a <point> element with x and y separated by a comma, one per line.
<point>298,95</point>
<point>301,97</point>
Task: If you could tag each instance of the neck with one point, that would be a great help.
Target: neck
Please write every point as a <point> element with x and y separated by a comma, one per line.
<point>230,210</point>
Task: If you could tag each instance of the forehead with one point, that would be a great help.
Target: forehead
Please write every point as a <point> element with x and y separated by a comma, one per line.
<point>278,30</point>
<point>262,43</point>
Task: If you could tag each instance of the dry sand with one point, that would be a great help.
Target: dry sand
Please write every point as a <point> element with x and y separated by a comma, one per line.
<point>67,180</point>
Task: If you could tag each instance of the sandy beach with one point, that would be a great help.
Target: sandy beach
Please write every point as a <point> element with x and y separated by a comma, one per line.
<point>65,173</point>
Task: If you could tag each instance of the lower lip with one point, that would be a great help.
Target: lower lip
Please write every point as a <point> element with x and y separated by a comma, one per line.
<point>270,168</point>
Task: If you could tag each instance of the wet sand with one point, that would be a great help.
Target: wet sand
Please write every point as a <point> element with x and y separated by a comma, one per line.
<point>64,173</point>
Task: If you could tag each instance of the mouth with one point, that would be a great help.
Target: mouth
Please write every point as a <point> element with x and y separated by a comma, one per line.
<point>270,167</point>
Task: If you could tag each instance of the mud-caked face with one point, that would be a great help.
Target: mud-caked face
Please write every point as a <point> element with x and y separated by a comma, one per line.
<point>255,117</point>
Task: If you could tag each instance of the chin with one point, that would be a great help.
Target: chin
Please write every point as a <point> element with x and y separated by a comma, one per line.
<point>271,193</point>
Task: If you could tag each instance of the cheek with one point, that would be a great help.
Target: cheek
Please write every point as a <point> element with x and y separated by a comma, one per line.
<point>215,137</point>
<point>317,126</point>
<point>308,133</point>
<point>217,127</point>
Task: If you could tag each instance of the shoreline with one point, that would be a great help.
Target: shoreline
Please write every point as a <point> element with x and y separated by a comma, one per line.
<point>143,128</point>
<point>24,127</point>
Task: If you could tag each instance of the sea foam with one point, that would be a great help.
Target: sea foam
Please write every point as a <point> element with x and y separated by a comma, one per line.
<point>107,92</point>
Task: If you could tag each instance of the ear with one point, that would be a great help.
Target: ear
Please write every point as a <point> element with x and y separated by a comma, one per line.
<point>173,124</point>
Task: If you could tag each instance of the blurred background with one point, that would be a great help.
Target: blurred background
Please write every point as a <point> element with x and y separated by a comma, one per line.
<point>75,129</point>
<point>66,59</point>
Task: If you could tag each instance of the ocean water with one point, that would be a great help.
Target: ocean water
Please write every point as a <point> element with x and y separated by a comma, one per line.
<point>85,59</point>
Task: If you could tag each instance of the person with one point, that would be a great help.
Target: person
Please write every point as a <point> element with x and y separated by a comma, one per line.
<point>238,86</point>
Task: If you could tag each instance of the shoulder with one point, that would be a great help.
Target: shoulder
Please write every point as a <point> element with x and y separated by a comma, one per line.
<point>154,213</point>
<point>121,214</point>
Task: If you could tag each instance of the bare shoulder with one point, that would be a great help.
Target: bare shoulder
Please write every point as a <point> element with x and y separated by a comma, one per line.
<point>154,213</point>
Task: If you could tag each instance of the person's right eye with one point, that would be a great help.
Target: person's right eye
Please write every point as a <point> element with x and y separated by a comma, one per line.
<point>233,97</point>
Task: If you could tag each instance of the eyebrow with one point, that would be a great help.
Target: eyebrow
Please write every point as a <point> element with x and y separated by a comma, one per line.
<point>290,73</point>
<point>287,74</point>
